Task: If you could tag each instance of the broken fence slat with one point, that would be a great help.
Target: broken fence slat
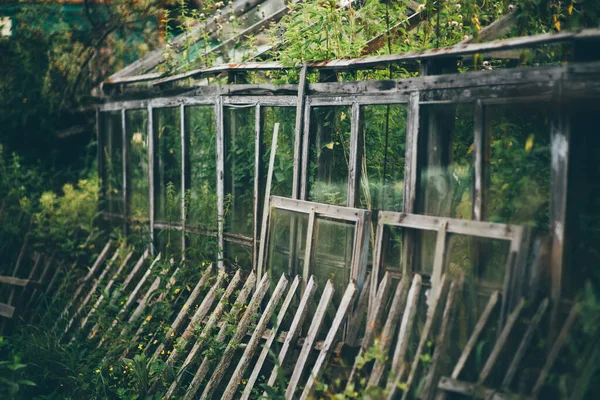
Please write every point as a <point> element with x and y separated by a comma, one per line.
<point>501,342</point>
<point>212,321</point>
<point>325,353</point>
<point>313,331</point>
<point>272,336</point>
<point>398,305</point>
<point>479,327</point>
<point>254,341</point>
<point>294,330</point>
<point>205,364</point>
<point>359,311</point>
<point>240,332</point>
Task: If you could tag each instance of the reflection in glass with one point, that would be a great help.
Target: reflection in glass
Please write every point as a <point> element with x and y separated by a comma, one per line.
<point>137,166</point>
<point>383,131</point>
<point>239,170</point>
<point>287,243</point>
<point>238,256</point>
<point>329,151</point>
<point>519,167</point>
<point>201,197</point>
<point>167,165</point>
<point>112,152</point>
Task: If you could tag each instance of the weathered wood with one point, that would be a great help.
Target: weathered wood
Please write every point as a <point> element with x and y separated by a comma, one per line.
<point>313,331</point>
<point>12,281</point>
<point>358,313</point>
<point>265,213</point>
<point>406,326</point>
<point>298,129</point>
<point>524,345</point>
<point>465,388</point>
<point>270,338</point>
<point>385,342</point>
<point>42,281</point>
<point>210,324</point>
<point>441,343</point>
<point>325,353</point>
<point>185,309</point>
<point>308,253</point>
<point>132,297</point>
<point>294,330</point>
<point>220,161</point>
<point>439,259</point>
<point>479,327</point>
<point>556,347</point>
<point>304,159</point>
<point>353,158</point>
<point>501,342</point>
<point>479,139</point>
<point>253,343</point>
<point>6,311</point>
<point>496,29</point>
<point>240,332</point>
<point>373,322</point>
<point>203,369</point>
<point>108,287</point>
<point>326,210</point>
<point>377,264</point>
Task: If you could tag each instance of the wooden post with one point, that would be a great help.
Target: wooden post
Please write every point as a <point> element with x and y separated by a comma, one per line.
<point>220,155</point>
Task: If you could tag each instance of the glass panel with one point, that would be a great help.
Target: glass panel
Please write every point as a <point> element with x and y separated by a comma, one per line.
<point>383,131</point>
<point>168,243</point>
<point>328,158</point>
<point>137,170</point>
<point>167,165</point>
<point>287,243</point>
<point>201,249</point>
<point>238,256</point>
<point>333,243</point>
<point>112,150</point>
<point>519,187</point>
<point>283,172</point>
<point>239,170</point>
<point>201,197</point>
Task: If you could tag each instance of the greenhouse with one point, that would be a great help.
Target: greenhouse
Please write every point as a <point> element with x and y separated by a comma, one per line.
<point>411,225</point>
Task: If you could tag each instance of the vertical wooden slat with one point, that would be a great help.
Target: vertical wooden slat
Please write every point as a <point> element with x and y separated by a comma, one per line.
<point>151,174</point>
<point>220,160</point>
<point>298,131</point>
<point>325,353</point>
<point>258,150</point>
<point>310,230</point>
<point>359,313</point>
<point>294,330</point>
<point>265,212</point>
<point>412,139</point>
<point>305,152</point>
<point>125,152</point>
<point>377,263</point>
<point>398,304</point>
<point>241,330</point>
<point>313,331</point>
<point>353,158</point>
<point>438,260</point>
<point>502,339</point>
<point>360,252</point>
<point>253,343</point>
<point>479,136</point>
<point>271,338</point>
<point>183,174</point>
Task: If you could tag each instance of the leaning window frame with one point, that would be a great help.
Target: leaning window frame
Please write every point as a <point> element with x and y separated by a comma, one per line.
<point>360,217</point>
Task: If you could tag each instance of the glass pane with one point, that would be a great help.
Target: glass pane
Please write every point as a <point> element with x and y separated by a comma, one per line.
<point>168,243</point>
<point>112,150</point>
<point>333,243</point>
<point>284,159</point>
<point>167,165</point>
<point>239,170</point>
<point>519,188</point>
<point>201,249</point>
<point>201,197</point>
<point>329,150</point>
<point>447,174</point>
<point>383,131</point>
<point>238,256</point>
<point>287,243</point>
<point>137,170</point>
<point>392,248</point>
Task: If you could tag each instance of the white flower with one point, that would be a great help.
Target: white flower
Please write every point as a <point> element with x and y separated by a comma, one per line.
<point>421,7</point>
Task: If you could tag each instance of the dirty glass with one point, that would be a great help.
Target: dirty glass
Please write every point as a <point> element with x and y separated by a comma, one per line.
<point>383,131</point>
<point>239,170</point>
<point>136,122</point>
<point>446,178</point>
<point>167,165</point>
<point>283,170</point>
<point>112,153</point>
<point>519,167</point>
<point>328,155</point>
<point>287,243</point>
<point>201,195</point>
<point>238,256</point>
<point>333,244</point>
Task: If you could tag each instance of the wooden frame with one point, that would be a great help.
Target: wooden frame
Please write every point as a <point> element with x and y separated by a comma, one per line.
<point>515,234</point>
<point>317,210</point>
